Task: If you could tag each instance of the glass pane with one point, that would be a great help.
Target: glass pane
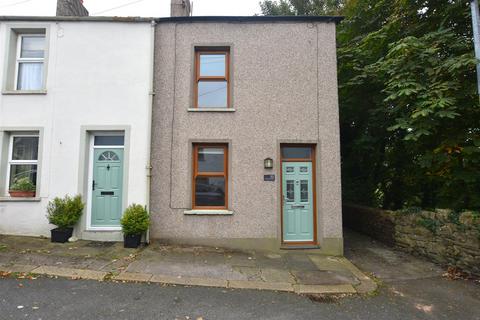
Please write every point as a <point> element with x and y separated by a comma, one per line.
<point>304,191</point>
<point>18,171</point>
<point>304,169</point>
<point>25,148</point>
<point>32,47</point>
<point>210,159</point>
<point>290,191</point>
<point>30,76</point>
<point>210,191</point>
<point>296,152</point>
<point>212,94</point>
<point>108,156</point>
<point>290,169</point>
<point>109,140</point>
<point>212,65</point>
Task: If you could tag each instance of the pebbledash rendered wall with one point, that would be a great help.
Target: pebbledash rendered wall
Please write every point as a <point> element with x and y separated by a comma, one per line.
<point>284,90</point>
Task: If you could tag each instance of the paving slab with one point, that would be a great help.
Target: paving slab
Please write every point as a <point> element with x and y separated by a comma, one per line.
<point>323,289</point>
<point>22,268</point>
<point>277,275</point>
<point>189,281</point>
<point>138,277</point>
<point>260,285</point>
<point>70,273</point>
<point>186,265</point>
<point>321,277</point>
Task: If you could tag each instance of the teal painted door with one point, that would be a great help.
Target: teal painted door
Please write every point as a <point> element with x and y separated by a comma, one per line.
<point>107,187</point>
<point>297,201</point>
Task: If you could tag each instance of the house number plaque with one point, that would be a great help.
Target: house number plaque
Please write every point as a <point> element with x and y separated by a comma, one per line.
<point>269,177</point>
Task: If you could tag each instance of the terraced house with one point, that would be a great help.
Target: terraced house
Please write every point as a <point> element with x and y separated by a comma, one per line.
<point>226,127</point>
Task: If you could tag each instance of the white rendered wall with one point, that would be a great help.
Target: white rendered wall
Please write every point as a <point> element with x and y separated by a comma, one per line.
<point>98,75</point>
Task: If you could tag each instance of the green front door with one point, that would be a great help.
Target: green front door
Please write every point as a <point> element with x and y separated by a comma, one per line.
<point>107,187</point>
<point>297,189</point>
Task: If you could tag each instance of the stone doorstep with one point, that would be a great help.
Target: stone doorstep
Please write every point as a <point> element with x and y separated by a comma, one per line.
<point>70,273</point>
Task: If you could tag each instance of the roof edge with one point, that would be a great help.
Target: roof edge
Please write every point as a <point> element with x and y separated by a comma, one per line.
<point>230,19</point>
<point>190,19</point>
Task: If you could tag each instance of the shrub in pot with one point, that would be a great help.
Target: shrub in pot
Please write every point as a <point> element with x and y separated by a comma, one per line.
<point>22,187</point>
<point>64,213</point>
<point>135,222</point>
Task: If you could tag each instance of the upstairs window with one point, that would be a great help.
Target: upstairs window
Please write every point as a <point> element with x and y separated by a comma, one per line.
<point>212,78</point>
<point>29,66</point>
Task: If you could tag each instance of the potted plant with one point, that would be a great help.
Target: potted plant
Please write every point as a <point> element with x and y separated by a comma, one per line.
<point>22,187</point>
<point>135,222</point>
<point>64,213</point>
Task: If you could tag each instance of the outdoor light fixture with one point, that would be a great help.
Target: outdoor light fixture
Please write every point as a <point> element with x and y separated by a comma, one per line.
<point>268,163</point>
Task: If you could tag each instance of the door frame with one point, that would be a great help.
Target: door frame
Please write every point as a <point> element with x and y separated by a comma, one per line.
<point>91,152</point>
<point>312,159</point>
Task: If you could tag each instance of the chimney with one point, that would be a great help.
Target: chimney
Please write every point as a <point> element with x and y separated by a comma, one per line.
<point>71,8</point>
<point>180,8</point>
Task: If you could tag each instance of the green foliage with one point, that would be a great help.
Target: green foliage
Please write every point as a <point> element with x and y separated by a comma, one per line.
<point>430,224</point>
<point>300,7</point>
<point>135,220</point>
<point>65,212</point>
<point>409,107</point>
<point>23,184</point>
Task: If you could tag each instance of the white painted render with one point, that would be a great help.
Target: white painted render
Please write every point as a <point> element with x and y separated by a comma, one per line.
<point>98,77</point>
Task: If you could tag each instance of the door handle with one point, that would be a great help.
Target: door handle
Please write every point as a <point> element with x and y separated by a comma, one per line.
<point>93,185</point>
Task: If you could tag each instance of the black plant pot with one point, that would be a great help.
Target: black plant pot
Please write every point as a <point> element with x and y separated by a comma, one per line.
<point>61,235</point>
<point>132,240</point>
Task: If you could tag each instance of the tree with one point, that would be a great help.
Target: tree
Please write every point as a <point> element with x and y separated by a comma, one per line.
<point>408,103</point>
<point>301,7</point>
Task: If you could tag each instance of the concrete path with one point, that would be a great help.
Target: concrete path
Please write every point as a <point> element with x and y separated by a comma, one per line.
<point>288,271</point>
<point>413,281</point>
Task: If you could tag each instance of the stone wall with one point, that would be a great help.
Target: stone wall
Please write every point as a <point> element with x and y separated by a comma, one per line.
<point>444,236</point>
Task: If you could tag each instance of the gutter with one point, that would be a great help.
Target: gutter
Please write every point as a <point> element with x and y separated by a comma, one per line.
<point>182,19</point>
<point>151,93</point>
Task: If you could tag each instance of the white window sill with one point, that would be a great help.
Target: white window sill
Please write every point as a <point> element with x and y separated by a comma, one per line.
<point>211,110</point>
<point>20,199</point>
<point>21,92</point>
<point>208,212</point>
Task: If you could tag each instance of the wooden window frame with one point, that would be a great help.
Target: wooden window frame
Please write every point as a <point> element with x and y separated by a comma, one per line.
<point>196,173</point>
<point>198,78</point>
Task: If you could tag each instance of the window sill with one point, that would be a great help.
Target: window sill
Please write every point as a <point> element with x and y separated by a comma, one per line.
<point>19,199</point>
<point>211,110</point>
<point>208,212</point>
<point>24,92</point>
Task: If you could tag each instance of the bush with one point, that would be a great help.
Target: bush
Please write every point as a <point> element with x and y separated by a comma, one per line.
<point>65,212</point>
<point>23,184</point>
<point>135,220</point>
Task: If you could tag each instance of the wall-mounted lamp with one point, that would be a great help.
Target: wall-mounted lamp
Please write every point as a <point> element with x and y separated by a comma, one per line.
<point>268,163</point>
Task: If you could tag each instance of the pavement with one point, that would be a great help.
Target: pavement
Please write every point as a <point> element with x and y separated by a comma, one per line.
<point>410,288</point>
<point>288,271</point>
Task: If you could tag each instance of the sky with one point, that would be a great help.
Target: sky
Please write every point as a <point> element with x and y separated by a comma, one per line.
<point>142,8</point>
